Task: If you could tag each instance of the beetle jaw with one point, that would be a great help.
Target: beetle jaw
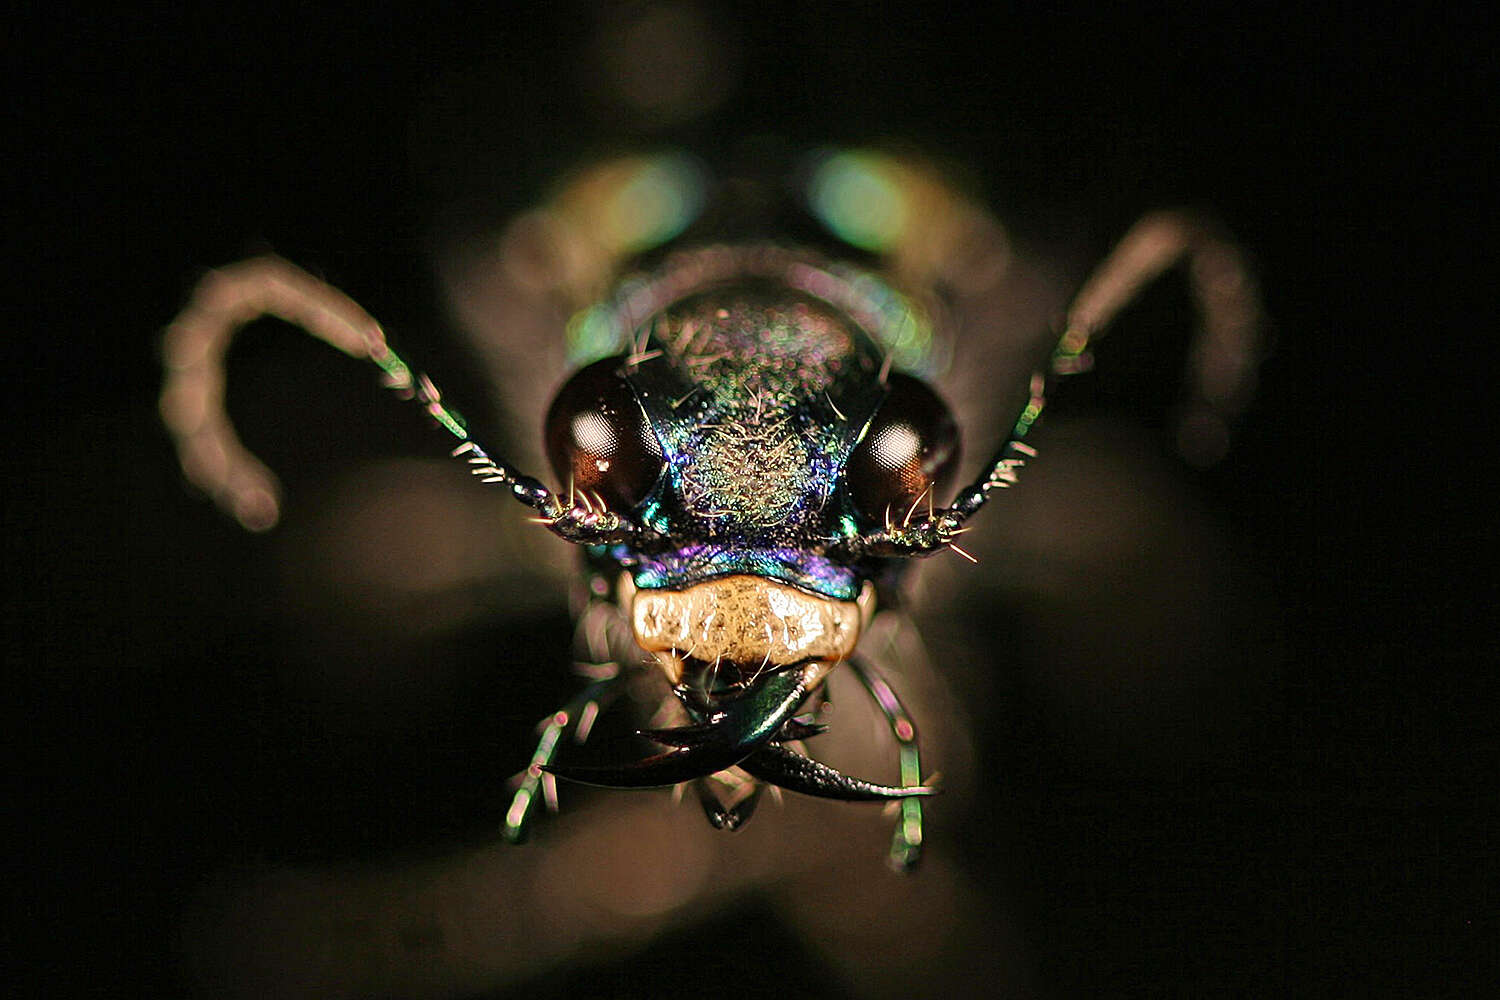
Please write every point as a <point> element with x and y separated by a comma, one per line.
<point>772,647</point>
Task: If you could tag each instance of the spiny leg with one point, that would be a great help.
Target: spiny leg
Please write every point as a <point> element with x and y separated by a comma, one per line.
<point>604,652</point>
<point>576,718</point>
<point>906,843</point>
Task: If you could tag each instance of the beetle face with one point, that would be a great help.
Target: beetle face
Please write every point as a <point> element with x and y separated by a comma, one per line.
<point>752,425</point>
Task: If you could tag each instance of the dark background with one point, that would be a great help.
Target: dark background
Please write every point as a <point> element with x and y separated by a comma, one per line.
<point>1338,848</point>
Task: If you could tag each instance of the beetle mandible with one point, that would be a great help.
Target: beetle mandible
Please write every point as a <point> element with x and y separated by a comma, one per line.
<point>747,454</point>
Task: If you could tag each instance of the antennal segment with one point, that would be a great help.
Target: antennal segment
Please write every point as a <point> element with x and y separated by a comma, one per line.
<point>1222,363</point>
<point>212,456</point>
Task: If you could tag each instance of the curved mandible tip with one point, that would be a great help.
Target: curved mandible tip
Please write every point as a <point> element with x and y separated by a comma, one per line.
<point>777,765</point>
<point>731,733</point>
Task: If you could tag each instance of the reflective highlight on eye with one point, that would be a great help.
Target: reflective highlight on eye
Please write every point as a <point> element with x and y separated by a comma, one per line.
<point>592,434</point>
<point>598,440</point>
<point>908,451</point>
<point>896,447</point>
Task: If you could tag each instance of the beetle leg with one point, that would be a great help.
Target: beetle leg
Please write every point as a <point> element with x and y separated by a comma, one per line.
<point>906,843</point>
<point>534,779</point>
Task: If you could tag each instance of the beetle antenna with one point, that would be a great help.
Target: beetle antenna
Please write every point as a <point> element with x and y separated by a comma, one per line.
<point>1222,361</point>
<point>1230,341</point>
<point>212,456</point>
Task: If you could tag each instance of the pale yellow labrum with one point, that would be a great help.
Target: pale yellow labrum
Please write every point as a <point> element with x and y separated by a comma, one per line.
<point>746,620</point>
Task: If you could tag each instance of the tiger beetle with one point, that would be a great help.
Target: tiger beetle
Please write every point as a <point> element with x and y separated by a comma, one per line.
<point>749,454</point>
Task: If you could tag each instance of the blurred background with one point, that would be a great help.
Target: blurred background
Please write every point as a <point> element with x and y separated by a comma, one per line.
<point>1249,766</point>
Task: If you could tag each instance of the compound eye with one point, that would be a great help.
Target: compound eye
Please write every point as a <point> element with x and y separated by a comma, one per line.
<point>910,447</point>
<point>599,440</point>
